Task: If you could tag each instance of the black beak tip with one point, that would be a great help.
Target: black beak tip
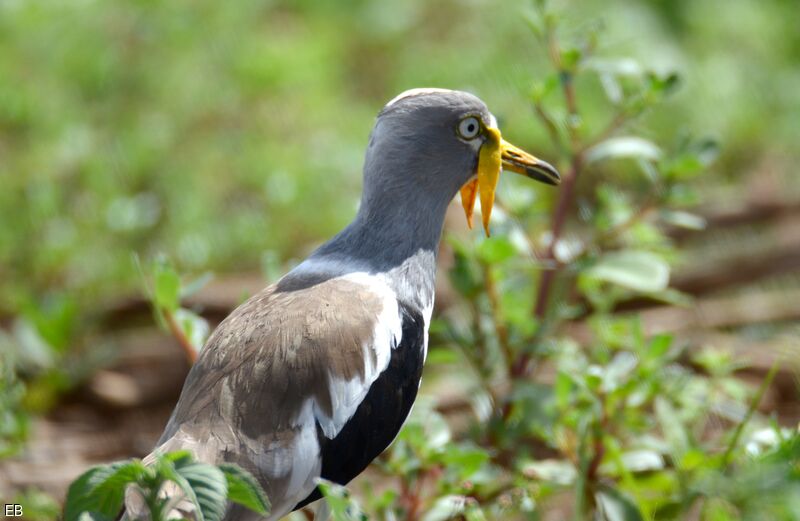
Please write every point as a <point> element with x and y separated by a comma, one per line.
<point>545,173</point>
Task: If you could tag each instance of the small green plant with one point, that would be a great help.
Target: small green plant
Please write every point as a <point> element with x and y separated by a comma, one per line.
<point>99,494</point>
<point>343,507</point>
<point>13,419</point>
<point>165,290</point>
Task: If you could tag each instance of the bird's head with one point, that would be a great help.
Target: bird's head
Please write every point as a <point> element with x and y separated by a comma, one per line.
<point>431,143</point>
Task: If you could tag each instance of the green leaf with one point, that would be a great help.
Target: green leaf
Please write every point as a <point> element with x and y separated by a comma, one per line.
<point>244,489</point>
<point>658,347</point>
<point>442,356</point>
<point>563,389</point>
<point>616,506</point>
<point>619,370</point>
<point>541,89</point>
<point>196,285</point>
<point>672,427</point>
<point>570,58</point>
<point>194,326</point>
<point>473,512</point>
<point>637,270</point>
<point>167,287</point>
<point>663,85</point>
<point>494,250</point>
<point>623,147</point>
<point>618,67</point>
<point>682,167</point>
<point>692,158</point>
<point>463,274</point>
<point>465,460</point>
<point>342,506</point>
<point>610,72</point>
<point>642,460</point>
<point>101,490</point>
<point>612,87</point>
<point>208,485</point>
<point>446,507</point>
<point>78,497</point>
<point>94,516</point>
<point>167,468</point>
<point>178,456</point>
<point>681,219</point>
<point>560,472</point>
<point>672,296</point>
<point>110,489</point>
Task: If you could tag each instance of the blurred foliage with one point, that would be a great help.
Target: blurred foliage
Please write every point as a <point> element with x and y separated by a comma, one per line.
<point>229,136</point>
<point>13,420</point>
<point>199,129</point>
<point>165,290</point>
<point>38,506</point>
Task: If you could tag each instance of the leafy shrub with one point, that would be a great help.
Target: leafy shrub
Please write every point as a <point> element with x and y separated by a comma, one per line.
<point>99,493</point>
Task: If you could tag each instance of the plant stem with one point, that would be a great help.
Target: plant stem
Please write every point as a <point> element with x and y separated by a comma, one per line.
<point>501,332</point>
<point>762,389</point>
<point>615,124</point>
<point>180,336</point>
<point>566,195</point>
<point>549,125</point>
<point>565,198</point>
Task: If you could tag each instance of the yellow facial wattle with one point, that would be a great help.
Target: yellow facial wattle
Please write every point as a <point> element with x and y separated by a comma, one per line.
<point>469,192</point>
<point>494,155</point>
<point>489,166</point>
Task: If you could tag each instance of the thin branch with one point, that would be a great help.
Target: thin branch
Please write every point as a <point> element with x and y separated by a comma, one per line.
<point>549,124</point>
<point>616,123</point>
<point>565,197</point>
<point>501,332</point>
<point>177,331</point>
<point>762,389</point>
<point>635,218</point>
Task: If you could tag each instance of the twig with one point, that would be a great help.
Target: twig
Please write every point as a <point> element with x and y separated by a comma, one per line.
<point>726,458</point>
<point>566,194</point>
<point>549,125</point>
<point>497,319</point>
<point>635,218</point>
<point>520,366</point>
<point>619,119</point>
<point>180,336</point>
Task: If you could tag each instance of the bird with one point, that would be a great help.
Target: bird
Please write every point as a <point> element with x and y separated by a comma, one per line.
<point>314,376</point>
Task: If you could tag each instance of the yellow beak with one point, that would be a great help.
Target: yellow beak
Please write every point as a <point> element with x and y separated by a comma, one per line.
<point>496,154</point>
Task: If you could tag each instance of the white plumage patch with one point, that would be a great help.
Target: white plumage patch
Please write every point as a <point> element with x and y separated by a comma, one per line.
<point>347,395</point>
<point>415,92</point>
<point>300,461</point>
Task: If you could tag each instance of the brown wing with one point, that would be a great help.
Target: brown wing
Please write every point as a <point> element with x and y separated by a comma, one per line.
<point>278,358</point>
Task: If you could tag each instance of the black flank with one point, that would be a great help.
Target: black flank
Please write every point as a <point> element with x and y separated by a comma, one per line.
<point>378,419</point>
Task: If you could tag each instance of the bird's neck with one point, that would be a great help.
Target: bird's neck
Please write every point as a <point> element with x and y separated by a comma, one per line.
<point>396,240</point>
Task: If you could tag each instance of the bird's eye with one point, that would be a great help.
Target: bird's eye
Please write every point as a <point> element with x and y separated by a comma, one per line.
<point>469,127</point>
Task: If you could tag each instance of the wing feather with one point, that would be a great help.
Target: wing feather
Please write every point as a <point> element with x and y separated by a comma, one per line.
<point>283,363</point>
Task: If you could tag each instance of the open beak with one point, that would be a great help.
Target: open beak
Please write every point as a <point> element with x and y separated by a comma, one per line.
<point>496,154</point>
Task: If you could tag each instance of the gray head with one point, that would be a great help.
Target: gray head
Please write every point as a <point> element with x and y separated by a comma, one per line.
<point>416,148</point>
<point>427,144</point>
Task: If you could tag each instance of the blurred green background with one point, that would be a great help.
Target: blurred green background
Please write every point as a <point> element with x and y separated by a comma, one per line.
<point>230,135</point>
<point>218,131</point>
